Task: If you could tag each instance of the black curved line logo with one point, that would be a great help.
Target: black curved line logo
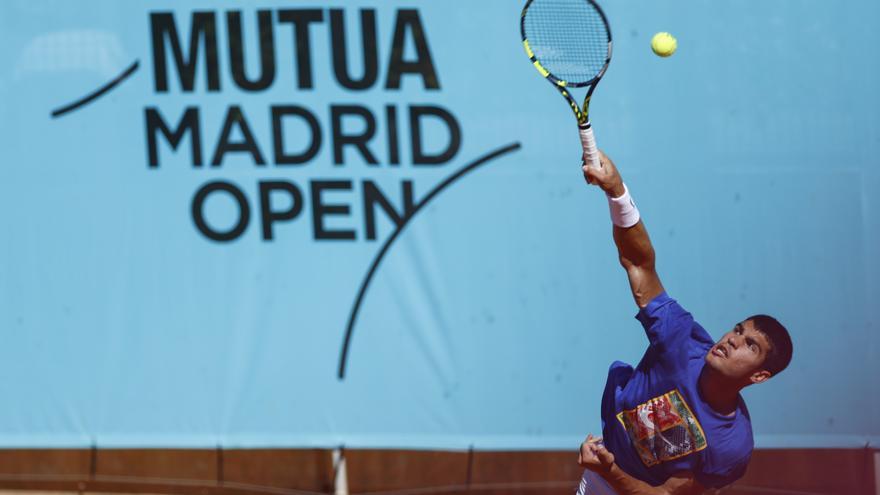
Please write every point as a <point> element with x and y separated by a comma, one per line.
<point>85,100</point>
<point>352,317</point>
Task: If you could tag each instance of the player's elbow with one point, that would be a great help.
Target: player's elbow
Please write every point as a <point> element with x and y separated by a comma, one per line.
<point>643,261</point>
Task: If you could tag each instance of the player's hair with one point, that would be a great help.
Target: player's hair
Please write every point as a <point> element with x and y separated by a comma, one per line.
<point>780,342</point>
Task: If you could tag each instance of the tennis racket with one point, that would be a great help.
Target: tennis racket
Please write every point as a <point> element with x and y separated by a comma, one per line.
<point>569,42</point>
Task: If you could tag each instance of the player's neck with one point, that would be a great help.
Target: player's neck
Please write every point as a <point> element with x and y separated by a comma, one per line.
<point>721,394</point>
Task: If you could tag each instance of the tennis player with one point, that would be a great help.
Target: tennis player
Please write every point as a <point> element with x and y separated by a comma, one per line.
<point>676,423</point>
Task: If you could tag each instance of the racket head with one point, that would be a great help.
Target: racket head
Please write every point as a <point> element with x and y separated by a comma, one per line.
<point>568,41</point>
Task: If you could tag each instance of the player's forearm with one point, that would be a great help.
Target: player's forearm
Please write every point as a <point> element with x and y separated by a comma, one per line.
<point>630,234</point>
<point>634,246</point>
<point>624,484</point>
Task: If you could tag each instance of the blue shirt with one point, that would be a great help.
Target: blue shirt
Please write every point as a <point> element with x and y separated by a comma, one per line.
<point>653,418</point>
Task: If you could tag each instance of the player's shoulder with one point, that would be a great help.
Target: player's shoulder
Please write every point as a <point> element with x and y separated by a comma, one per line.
<point>658,303</point>
<point>668,322</point>
<point>701,337</point>
<point>665,310</point>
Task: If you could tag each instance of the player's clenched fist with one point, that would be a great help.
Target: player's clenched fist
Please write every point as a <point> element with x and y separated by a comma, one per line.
<point>594,456</point>
<point>606,176</point>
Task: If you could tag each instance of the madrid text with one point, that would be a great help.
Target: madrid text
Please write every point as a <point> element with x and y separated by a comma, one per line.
<point>207,67</point>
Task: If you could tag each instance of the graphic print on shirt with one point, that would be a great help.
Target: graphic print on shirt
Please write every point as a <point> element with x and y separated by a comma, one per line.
<point>662,429</point>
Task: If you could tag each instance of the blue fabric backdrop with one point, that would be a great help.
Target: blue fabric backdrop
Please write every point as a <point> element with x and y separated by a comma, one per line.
<point>496,304</point>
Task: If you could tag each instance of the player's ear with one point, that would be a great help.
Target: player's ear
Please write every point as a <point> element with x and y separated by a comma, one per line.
<point>760,376</point>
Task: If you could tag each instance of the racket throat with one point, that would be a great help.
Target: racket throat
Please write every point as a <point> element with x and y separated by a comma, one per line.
<point>582,114</point>
<point>584,117</point>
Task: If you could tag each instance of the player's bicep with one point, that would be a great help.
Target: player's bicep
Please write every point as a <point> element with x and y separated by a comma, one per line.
<point>644,283</point>
<point>683,483</point>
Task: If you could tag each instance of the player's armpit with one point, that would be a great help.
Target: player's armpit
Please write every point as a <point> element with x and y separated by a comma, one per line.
<point>683,483</point>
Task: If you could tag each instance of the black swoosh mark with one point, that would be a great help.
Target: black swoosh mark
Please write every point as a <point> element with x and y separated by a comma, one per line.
<point>352,317</point>
<point>58,112</point>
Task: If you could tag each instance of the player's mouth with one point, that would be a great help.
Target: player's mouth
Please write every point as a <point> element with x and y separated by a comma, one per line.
<point>721,351</point>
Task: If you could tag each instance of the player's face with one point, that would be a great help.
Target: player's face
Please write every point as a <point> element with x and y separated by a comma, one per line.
<point>740,353</point>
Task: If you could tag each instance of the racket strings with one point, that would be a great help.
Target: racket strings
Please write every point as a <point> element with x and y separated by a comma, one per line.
<point>568,37</point>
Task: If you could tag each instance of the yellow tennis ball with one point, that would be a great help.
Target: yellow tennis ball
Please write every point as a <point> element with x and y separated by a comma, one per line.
<point>664,44</point>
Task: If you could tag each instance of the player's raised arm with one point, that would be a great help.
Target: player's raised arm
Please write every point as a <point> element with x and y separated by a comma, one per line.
<point>633,244</point>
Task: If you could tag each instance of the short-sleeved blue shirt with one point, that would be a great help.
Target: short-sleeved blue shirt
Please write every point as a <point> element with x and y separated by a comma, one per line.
<point>653,418</point>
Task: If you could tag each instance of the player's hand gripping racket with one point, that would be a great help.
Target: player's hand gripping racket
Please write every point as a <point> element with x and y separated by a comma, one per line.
<point>569,42</point>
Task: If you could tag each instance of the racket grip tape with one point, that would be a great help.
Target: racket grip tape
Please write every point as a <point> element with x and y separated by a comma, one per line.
<point>588,141</point>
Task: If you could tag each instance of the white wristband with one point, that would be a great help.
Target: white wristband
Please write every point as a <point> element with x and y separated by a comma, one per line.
<point>623,210</point>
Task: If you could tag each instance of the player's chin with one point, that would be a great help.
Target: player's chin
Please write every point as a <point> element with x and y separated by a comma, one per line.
<point>715,362</point>
<point>722,366</point>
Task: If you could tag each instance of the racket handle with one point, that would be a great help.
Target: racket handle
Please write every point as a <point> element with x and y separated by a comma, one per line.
<point>588,141</point>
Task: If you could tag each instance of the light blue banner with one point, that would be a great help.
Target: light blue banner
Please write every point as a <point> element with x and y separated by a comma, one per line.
<point>364,223</point>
